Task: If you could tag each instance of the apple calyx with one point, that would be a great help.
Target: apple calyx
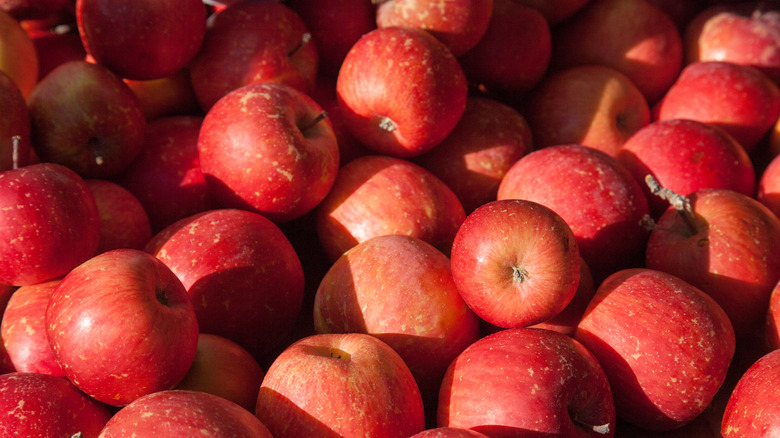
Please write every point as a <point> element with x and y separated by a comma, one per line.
<point>15,151</point>
<point>387,124</point>
<point>93,144</point>
<point>162,297</point>
<point>680,203</point>
<point>304,40</point>
<point>602,429</point>
<point>77,435</point>
<point>519,274</point>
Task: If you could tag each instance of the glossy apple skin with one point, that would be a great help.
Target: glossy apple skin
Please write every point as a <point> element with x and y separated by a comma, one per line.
<point>402,91</point>
<point>18,58</point>
<point>685,156</point>
<point>15,122</point>
<point>50,223</point>
<point>340,385</point>
<point>259,151</point>
<point>515,262</point>
<point>664,344</point>
<point>40,405</point>
<point>739,99</point>
<point>376,195</point>
<point>242,274</point>
<point>84,117</point>
<point>730,256</point>
<point>123,220</point>
<point>131,318</point>
<point>591,105</point>
<point>596,196</point>
<point>422,316</point>
<point>184,413</point>
<point>752,407</point>
<point>522,380</point>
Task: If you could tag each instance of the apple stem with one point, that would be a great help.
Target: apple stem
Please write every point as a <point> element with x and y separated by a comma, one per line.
<point>519,274</point>
<point>77,435</point>
<point>680,203</point>
<point>322,116</point>
<point>601,428</point>
<point>304,39</point>
<point>387,124</point>
<point>15,151</point>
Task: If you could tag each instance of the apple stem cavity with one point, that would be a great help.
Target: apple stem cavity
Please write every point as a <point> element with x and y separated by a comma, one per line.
<point>387,124</point>
<point>162,297</point>
<point>680,203</point>
<point>15,151</point>
<point>339,354</point>
<point>304,40</point>
<point>322,116</point>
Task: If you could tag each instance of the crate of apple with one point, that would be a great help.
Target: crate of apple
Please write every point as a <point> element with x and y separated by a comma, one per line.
<point>389,218</point>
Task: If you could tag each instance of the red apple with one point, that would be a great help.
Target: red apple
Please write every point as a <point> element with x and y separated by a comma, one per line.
<point>752,409</point>
<point>253,42</point>
<point>6,366</point>
<point>123,220</point>
<point>15,122</point>
<point>377,195</point>
<point>29,9</point>
<point>768,188</point>
<point>591,105</point>
<point>121,326</point>
<point>772,328</point>
<point>243,276</point>
<point>632,36</point>
<point>402,91</point>
<point>18,58</point>
<point>50,223</point>
<point>488,139</point>
<point>527,382</point>
<point>145,39</point>
<point>515,263</point>
<point>84,117</point>
<point>39,405</point>
<point>739,99</point>
<point>682,11</point>
<point>555,11</point>
<point>166,97</point>
<point>340,385</point>
<point>185,414</point>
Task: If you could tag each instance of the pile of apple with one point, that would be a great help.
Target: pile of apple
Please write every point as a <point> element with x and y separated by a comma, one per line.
<point>389,218</point>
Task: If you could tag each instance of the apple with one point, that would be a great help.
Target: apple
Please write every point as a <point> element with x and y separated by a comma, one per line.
<point>23,330</point>
<point>145,39</point>
<point>14,123</point>
<point>56,45</point>
<point>684,156</point>
<point>18,58</point>
<point>123,220</point>
<point>6,366</point>
<point>634,37</point>
<point>596,196</point>
<point>241,272</point>
<point>421,315</point>
<point>349,384</point>
<point>591,105</point>
<point>752,406</point>
<point>30,9</point>
<point>488,139</point>
<point>682,12</point>
<point>737,98</point>
<point>527,382</point>
<point>555,11</point>
<point>84,117</point>
<point>50,223</point>
<point>772,328</point>
<point>376,195</point>
<point>522,37</point>
<point>458,24</point>
<point>166,97</point>
<point>121,326</point>
<point>768,187</point>
<point>40,405</point>
<point>515,262</point>
<point>566,320</point>
<point>184,413</point>
<point>402,91</point>
<point>253,42</point>
<point>722,242</point>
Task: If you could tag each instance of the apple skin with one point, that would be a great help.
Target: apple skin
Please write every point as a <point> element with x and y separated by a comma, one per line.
<point>50,223</point>
<point>123,220</point>
<point>169,96</point>
<point>131,317</point>
<point>566,320</point>
<point>728,253</point>
<point>23,330</point>
<point>768,188</point>
<point>184,413</point>
<point>253,42</point>
<point>262,149</point>
<point>527,382</point>
<point>376,195</point>
<point>6,366</point>
<point>448,432</point>
<point>555,11</point>
<point>591,105</point>
<point>55,47</point>
<point>353,297</point>
<point>515,263</point>
<point>242,274</point>
<point>15,122</point>
<point>40,405</point>
<point>739,99</point>
<point>488,139</point>
<point>664,344</point>
<point>596,196</point>
<point>752,407</point>
<point>772,328</point>
<point>402,91</point>
<point>84,117</point>
<point>632,36</point>
<point>332,385</point>
<point>18,58</point>
<point>684,156</point>
<point>33,9</point>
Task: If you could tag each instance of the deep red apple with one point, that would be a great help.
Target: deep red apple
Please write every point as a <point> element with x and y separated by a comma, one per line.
<point>29,9</point>
<point>18,58</point>
<point>15,122</point>
<point>752,408</point>
<point>123,220</point>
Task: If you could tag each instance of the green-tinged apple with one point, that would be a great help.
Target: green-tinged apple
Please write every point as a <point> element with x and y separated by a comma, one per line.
<point>488,139</point>
<point>123,220</point>
<point>14,123</point>
<point>331,385</point>
<point>85,118</point>
<point>242,274</point>
<point>527,382</point>
<point>591,105</point>
<point>555,11</point>
<point>664,344</point>
<point>515,263</point>
<point>184,413</point>
<point>376,195</point>
<point>268,148</point>
<point>121,326</point>
<point>752,409</point>
<point>18,58</point>
<point>50,223</point>
<point>402,91</point>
